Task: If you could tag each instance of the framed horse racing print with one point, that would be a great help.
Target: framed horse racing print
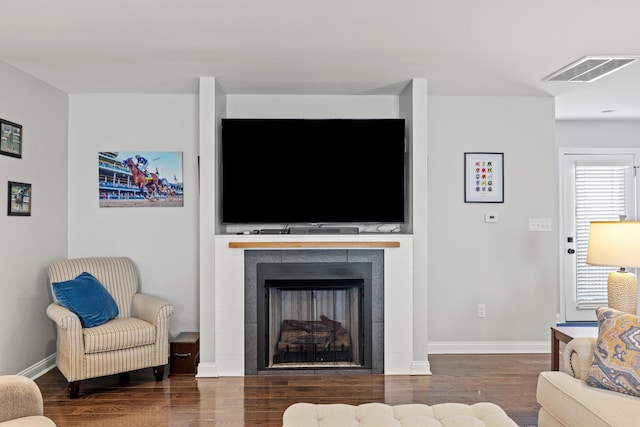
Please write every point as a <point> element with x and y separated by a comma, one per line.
<point>10,139</point>
<point>140,179</point>
<point>19,199</point>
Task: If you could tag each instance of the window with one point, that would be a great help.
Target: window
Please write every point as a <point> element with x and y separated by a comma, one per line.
<point>600,196</point>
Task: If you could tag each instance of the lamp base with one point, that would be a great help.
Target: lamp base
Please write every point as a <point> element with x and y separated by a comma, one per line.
<point>622,291</point>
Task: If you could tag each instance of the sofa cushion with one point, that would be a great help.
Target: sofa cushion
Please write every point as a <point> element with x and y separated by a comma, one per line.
<point>87,298</point>
<point>118,334</point>
<point>482,414</point>
<point>573,403</point>
<point>616,361</point>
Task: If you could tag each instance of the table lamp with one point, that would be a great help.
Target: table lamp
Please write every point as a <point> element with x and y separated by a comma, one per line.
<point>617,244</point>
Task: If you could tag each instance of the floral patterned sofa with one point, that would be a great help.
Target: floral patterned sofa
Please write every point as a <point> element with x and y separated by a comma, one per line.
<point>600,383</point>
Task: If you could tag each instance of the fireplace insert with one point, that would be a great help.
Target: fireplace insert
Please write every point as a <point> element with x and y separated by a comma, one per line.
<point>314,316</point>
<point>313,341</point>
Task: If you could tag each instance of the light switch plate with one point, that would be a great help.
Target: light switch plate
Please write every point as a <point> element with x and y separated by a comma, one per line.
<point>539,224</point>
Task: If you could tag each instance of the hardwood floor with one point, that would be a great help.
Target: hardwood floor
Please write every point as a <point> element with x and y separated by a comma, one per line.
<point>507,380</point>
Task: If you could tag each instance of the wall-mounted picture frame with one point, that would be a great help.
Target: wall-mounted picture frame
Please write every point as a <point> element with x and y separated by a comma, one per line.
<point>10,139</point>
<point>483,177</point>
<point>19,199</point>
<point>140,179</point>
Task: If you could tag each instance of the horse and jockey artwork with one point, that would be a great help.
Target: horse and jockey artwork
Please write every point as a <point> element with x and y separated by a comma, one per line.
<point>10,139</point>
<point>140,179</point>
<point>19,199</point>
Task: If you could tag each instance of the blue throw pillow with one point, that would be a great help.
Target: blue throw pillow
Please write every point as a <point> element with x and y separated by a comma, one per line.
<point>87,298</point>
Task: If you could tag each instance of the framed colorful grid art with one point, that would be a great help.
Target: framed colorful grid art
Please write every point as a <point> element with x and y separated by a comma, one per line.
<point>484,177</point>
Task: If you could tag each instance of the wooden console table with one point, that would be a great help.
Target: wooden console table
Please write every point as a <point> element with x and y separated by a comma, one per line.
<point>565,334</point>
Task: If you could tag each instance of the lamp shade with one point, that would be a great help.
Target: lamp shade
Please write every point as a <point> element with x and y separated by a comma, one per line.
<point>614,244</point>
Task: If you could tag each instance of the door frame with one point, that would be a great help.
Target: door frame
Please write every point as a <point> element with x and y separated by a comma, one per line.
<point>563,246</point>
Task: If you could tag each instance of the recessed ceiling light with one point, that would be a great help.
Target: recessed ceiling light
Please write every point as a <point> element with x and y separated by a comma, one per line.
<point>590,68</point>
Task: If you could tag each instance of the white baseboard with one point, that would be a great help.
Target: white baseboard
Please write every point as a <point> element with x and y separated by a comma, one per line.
<point>210,370</point>
<point>207,370</point>
<point>488,347</point>
<point>420,368</point>
<point>40,368</point>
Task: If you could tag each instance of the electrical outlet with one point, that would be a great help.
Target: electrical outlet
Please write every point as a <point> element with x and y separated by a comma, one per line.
<point>482,310</point>
<point>490,217</point>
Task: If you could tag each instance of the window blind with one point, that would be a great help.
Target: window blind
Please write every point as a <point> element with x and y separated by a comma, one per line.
<point>600,196</point>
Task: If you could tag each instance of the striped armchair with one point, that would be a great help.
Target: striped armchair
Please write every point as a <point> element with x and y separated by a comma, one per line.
<point>137,338</point>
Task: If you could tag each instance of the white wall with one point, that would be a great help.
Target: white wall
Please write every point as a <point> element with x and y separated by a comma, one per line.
<point>598,133</point>
<point>162,241</point>
<point>29,244</point>
<point>312,106</point>
<point>212,102</point>
<point>503,265</point>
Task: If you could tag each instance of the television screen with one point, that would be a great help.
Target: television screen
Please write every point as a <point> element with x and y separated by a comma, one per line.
<point>298,171</point>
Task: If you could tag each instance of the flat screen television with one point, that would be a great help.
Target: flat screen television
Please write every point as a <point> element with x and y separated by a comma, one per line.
<point>313,171</point>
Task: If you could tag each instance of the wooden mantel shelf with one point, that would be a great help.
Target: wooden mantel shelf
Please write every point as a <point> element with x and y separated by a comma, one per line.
<point>266,245</point>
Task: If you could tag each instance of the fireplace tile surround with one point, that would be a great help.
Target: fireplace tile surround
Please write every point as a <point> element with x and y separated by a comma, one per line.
<point>322,257</point>
<point>222,301</point>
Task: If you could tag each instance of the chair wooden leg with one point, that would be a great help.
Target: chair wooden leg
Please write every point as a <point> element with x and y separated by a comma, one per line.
<point>158,372</point>
<point>74,389</point>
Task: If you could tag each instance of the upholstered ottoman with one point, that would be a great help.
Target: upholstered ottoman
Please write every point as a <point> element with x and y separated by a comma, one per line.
<point>382,415</point>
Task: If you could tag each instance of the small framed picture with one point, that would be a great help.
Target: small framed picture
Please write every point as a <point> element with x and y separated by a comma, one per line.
<point>19,195</point>
<point>483,178</point>
<point>10,139</point>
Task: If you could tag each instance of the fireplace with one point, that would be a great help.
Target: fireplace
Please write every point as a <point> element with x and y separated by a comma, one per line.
<point>314,315</point>
<point>325,315</point>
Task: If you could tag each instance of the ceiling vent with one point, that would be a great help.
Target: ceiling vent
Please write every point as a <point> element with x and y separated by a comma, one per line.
<point>589,68</point>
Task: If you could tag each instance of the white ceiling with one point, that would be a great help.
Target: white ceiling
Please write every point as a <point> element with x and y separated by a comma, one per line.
<point>463,47</point>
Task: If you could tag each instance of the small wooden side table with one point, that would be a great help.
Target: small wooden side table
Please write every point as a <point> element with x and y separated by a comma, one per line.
<point>185,353</point>
<point>565,334</point>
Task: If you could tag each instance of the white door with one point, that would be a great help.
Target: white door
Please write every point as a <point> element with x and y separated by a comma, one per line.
<point>597,187</point>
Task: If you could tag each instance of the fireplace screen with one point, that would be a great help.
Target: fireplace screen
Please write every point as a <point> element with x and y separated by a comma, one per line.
<point>314,322</point>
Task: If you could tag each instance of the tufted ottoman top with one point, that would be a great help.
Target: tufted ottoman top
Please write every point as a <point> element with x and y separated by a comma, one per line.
<point>382,415</point>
